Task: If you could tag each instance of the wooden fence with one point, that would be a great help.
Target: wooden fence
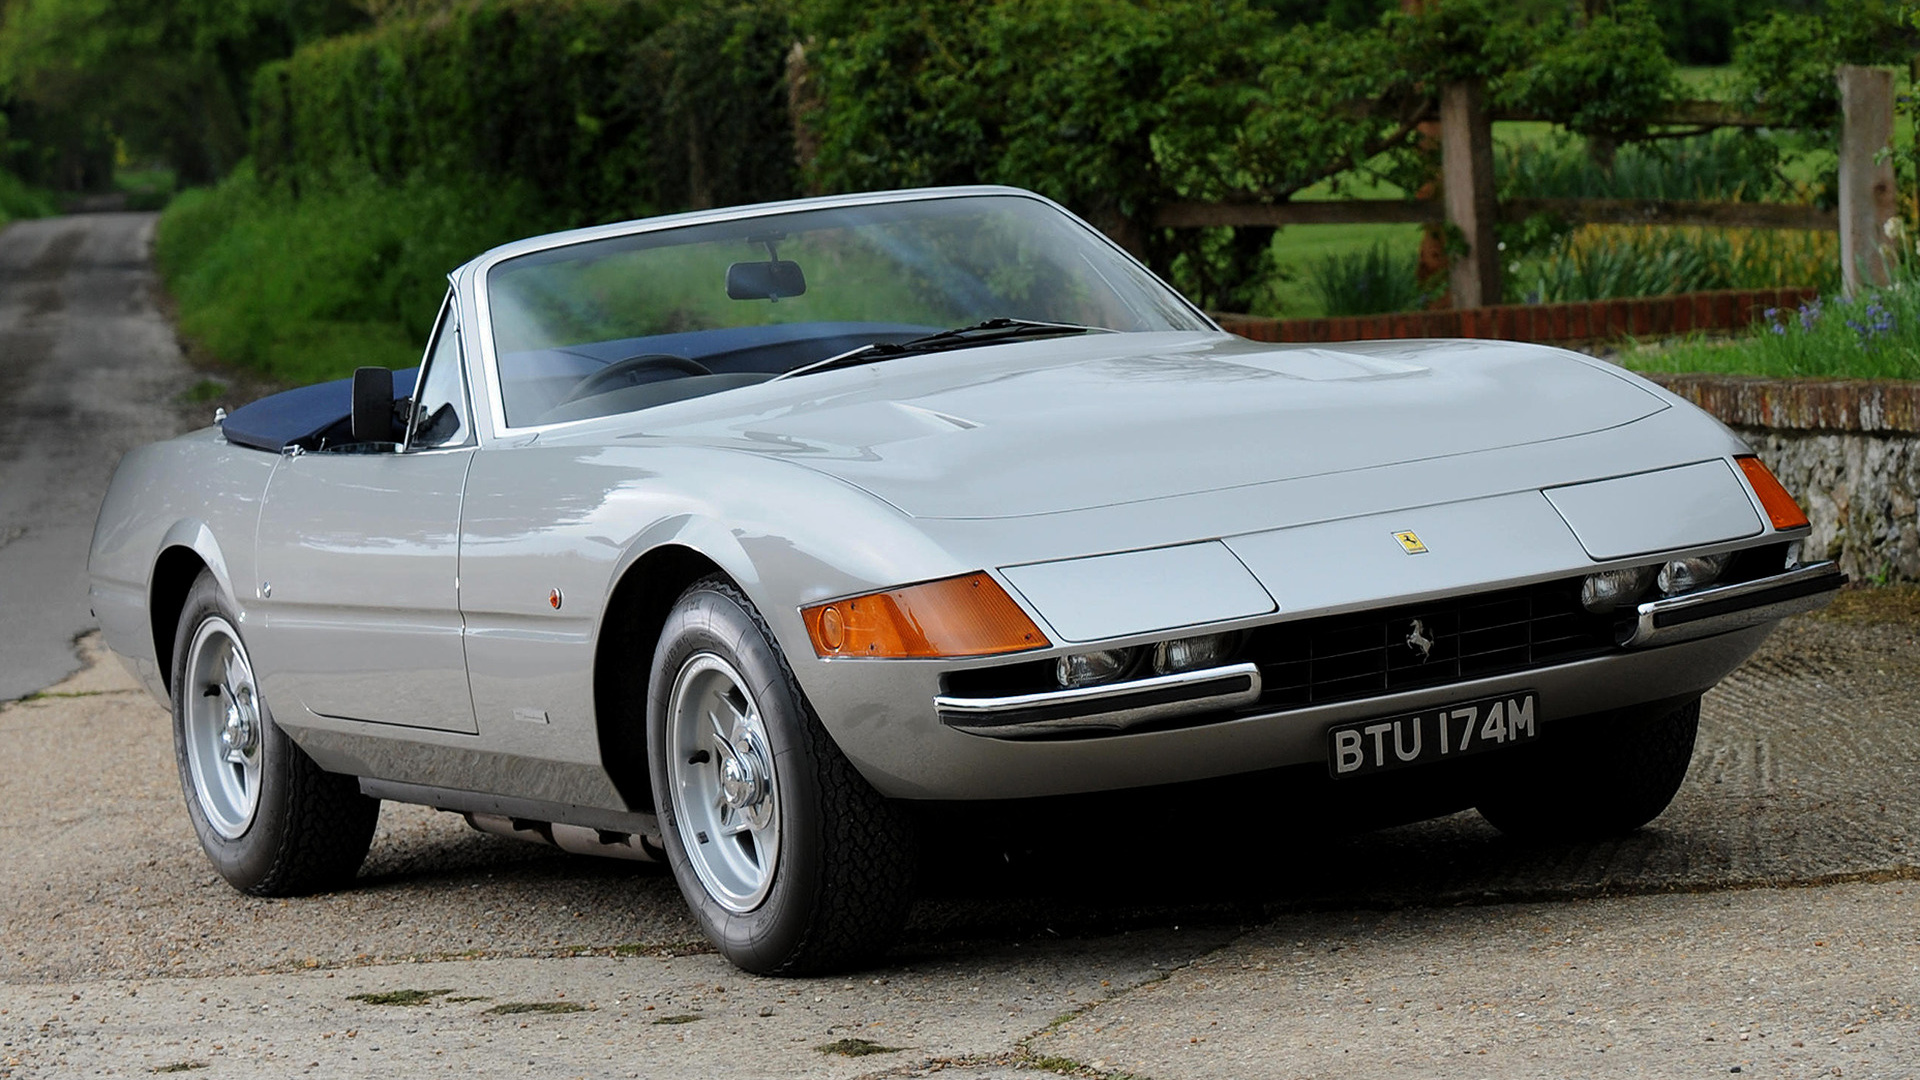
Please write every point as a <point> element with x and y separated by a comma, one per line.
<point>1574,322</point>
<point>1469,202</point>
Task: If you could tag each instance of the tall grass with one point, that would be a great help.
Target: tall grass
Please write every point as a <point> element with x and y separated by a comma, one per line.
<point>1725,166</point>
<point>18,200</point>
<point>1876,335</point>
<point>1598,262</point>
<point>1373,281</point>
<point>1873,335</point>
<point>309,289</point>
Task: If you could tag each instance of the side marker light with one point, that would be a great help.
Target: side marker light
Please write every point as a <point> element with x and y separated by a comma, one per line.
<point>1780,507</point>
<point>969,615</point>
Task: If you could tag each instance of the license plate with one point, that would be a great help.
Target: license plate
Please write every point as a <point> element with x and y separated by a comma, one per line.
<point>1450,731</point>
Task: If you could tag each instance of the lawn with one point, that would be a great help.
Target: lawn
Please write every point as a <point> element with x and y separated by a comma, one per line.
<point>1302,249</point>
<point>1874,336</point>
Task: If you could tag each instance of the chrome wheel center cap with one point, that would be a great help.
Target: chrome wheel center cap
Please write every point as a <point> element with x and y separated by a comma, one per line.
<point>743,780</point>
<point>238,734</point>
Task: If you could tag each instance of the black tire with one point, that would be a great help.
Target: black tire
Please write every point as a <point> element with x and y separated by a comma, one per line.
<point>1597,777</point>
<point>309,830</point>
<point>842,880</point>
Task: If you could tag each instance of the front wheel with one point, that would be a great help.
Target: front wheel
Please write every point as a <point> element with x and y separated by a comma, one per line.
<point>791,862</point>
<point>1602,777</point>
<point>271,822</point>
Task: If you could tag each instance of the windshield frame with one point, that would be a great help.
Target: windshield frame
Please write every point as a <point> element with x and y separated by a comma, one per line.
<point>477,272</point>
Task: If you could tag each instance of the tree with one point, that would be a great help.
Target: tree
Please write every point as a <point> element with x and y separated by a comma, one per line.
<point>162,79</point>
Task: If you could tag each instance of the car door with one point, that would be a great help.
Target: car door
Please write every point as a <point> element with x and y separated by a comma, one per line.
<point>359,566</point>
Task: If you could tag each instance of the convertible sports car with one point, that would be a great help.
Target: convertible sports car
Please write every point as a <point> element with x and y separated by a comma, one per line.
<point>726,538</point>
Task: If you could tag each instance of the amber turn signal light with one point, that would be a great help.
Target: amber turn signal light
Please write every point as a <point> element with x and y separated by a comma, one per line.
<point>1781,509</point>
<point>969,615</point>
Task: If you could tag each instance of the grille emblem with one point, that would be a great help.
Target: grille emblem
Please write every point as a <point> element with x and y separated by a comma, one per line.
<point>1418,641</point>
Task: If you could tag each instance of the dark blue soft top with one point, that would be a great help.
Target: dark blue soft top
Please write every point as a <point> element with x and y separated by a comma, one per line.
<point>301,415</point>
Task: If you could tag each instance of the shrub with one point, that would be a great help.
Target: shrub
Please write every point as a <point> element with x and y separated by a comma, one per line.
<point>610,109</point>
<point>1370,282</point>
<point>309,289</point>
<point>19,199</point>
<point>1726,166</point>
<point>1597,262</point>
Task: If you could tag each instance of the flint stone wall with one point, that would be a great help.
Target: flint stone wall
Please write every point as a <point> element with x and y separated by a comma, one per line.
<point>1849,450</point>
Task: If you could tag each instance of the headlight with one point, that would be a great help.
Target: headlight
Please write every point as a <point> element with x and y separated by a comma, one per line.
<point>1610,590</point>
<point>1686,575</point>
<point>1093,668</point>
<point>969,615</point>
<point>1185,654</point>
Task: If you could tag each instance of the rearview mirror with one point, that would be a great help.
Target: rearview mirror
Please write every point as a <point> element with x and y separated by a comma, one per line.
<point>765,280</point>
<point>372,416</point>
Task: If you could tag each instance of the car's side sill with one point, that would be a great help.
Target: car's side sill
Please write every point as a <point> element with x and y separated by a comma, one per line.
<point>1733,607</point>
<point>506,806</point>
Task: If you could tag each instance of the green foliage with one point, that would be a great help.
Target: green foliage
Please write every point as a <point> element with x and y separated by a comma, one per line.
<point>1601,262</point>
<point>1604,81</point>
<point>1725,166</point>
<point>1701,32</point>
<point>1876,335</point>
<point>19,199</point>
<point>1118,108</point>
<point>1786,64</point>
<point>90,79</point>
<point>1369,282</point>
<point>611,109</point>
<point>309,289</point>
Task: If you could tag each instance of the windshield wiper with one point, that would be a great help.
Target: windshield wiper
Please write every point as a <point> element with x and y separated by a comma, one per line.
<point>985,332</point>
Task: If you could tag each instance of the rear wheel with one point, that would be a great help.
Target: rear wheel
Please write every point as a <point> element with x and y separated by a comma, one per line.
<point>271,822</point>
<point>1599,777</point>
<point>791,862</point>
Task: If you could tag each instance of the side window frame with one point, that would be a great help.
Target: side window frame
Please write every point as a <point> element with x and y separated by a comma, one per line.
<point>448,322</point>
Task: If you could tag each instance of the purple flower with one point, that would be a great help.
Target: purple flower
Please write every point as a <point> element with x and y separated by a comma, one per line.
<point>1809,314</point>
<point>1875,322</point>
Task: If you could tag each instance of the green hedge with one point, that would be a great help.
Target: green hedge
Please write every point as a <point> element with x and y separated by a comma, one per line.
<point>528,115</point>
<point>351,274</point>
<point>609,108</point>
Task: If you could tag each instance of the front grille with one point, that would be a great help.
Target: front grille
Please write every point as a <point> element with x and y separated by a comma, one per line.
<point>1343,657</point>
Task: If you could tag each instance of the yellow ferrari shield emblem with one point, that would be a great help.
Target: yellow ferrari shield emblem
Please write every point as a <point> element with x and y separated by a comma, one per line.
<point>1410,540</point>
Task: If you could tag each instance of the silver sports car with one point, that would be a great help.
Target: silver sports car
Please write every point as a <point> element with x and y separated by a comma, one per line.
<point>728,539</point>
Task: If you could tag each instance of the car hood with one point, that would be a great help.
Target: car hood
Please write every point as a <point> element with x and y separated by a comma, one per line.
<point>1051,426</point>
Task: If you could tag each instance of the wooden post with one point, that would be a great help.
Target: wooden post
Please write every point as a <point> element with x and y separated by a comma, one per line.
<point>1867,192</point>
<point>1466,157</point>
<point>1432,261</point>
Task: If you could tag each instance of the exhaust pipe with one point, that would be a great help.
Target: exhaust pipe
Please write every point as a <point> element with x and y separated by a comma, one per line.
<point>577,839</point>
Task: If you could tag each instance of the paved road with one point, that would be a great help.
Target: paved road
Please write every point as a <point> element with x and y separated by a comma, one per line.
<point>88,370</point>
<point>1769,922</point>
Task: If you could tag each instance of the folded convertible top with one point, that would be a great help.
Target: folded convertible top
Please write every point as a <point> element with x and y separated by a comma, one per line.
<point>300,415</point>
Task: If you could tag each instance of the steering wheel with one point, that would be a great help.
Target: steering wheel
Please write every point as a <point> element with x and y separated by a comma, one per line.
<point>621,372</point>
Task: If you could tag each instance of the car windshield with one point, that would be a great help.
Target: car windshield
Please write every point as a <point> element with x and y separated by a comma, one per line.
<point>627,322</point>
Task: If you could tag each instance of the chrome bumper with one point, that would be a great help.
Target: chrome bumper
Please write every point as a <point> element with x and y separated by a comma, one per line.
<point>1112,708</point>
<point>1733,607</point>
